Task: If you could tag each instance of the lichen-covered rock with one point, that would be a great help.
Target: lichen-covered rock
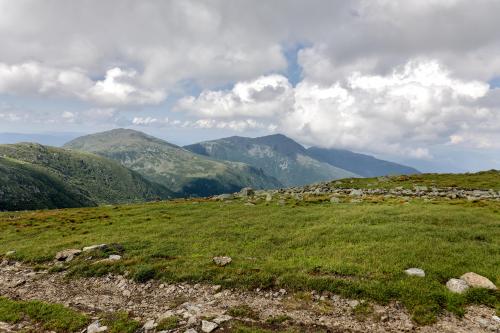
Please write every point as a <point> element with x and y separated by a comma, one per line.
<point>222,261</point>
<point>458,286</point>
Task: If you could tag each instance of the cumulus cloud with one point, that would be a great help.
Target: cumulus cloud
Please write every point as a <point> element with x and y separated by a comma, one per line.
<point>260,98</point>
<point>403,112</point>
<point>117,87</point>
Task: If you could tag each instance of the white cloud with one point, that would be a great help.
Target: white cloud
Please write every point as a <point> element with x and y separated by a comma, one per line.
<point>403,112</point>
<point>271,94</point>
<point>119,87</point>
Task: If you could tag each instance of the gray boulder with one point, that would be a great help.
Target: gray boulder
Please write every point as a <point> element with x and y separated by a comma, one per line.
<point>247,192</point>
<point>458,286</point>
<point>67,255</point>
<point>208,326</point>
<point>477,281</point>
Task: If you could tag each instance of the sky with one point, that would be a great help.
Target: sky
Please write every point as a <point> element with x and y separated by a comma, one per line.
<point>416,82</point>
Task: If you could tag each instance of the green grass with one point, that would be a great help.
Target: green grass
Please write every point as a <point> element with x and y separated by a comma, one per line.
<point>168,323</point>
<point>484,180</point>
<point>242,311</point>
<point>357,250</point>
<point>53,317</point>
<point>120,322</point>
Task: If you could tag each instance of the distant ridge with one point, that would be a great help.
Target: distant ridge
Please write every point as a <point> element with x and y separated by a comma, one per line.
<point>278,155</point>
<point>363,165</point>
<point>182,171</point>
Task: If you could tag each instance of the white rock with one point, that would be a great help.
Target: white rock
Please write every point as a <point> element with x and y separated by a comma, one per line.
<point>114,257</point>
<point>222,261</point>
<point>96,327</point>
<point>477,281</point>
<point>221,319</point>
<point>191,330</point>
<point>208,326</point>
<point>334,200</point>
<point>354,303</point>
<point>149,325</point>
<point>67,255</point>
<point>356,193</point>
<point>93,247</point>
<point>10,253</point>
<point>415,272</point>
<point>458,286</point>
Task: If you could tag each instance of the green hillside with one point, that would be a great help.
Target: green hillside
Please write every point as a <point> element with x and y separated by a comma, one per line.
<point>25,186</point>
<point>93,178</point>
<point>277,155</point>
<point>174,167</point>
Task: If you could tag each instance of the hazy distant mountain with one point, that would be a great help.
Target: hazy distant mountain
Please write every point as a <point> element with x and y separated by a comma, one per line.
<point>277,155</point>
<point>36,176</point>
<point>49,139</point>
<point>176,168</point>
<point>364,165</point>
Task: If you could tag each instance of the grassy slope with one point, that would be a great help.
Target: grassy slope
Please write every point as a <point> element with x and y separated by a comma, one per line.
<point>100,179</point>
<point>358,250</point>
<point>484,180</point>
<point>28,186</point>
<point>178,169</point>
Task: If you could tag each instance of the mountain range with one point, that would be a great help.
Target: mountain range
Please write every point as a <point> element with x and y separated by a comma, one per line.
<point>124,165</point>
<point>176,168</point>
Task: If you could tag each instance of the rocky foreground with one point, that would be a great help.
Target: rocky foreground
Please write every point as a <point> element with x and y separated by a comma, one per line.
<point>208,308</point>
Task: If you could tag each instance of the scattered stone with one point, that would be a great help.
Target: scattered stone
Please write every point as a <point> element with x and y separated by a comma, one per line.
<point>356,193</point>
<point>191,330</point>
<point>149,325</point>
<point>67,255</point>
<point>96,327</point>
<point>94,247</point>
<point>421,188</point>
<point>222,261</point>
<point>247,192</point>
<point>269,197</point>
<point>477,281</point>
<point>208,326</point>
<point>334,200</point>
<point>458,286</point>
<point>353,303</point>
<point>222,319</point>
<point>114,257</point>
<point>415,272</point>
<point>249,204</point>
<point>223,197</point>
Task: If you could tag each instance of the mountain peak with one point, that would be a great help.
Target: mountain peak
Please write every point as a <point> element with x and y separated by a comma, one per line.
<point>119,137</point>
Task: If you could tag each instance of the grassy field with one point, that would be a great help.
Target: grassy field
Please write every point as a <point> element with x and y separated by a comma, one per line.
<point>359,250</point>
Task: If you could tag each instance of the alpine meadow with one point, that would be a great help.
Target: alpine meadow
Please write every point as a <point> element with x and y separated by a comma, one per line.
<point>249,166</point>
